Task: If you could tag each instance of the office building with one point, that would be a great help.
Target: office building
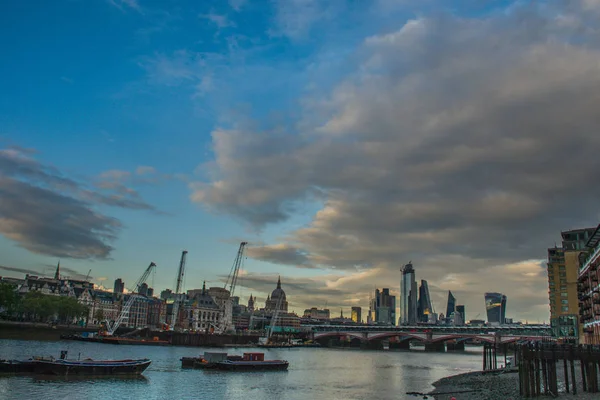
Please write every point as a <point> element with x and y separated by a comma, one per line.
<point>424,306</point>
<point>451,306</point>
<point>356,315</point>
<point>563,269</point>
<point>119,286</point>
<point>408,296</point>
<point>589,289</point>
<point>495,304</point>
<point>461,310</point>
<point>382,309</point>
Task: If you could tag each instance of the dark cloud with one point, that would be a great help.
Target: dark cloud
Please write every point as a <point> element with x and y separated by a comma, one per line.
<point>281,254</point>
<point>46,222</point>
<point>463,142</point>
<point>47,213</point>
<point>20,270</point>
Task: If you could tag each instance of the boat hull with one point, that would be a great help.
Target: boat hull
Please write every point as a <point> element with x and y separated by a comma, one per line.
<point>252,366</point>
<point>16,367</point>
<point>90,368</point>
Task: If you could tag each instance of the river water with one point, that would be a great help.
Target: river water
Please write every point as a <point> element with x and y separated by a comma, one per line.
<point>314,373</point>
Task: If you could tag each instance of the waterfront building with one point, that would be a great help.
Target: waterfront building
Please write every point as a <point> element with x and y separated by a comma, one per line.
<point>143,289</point>
<point>206,313</point>
<point>589,289</point>
<point>356,315</point>
<point>495,304</point>
<point>315,313</point>
<point>408,296</point>
<point>222,298</point>
<point>563,270</point>
<point>451,305</point>
<point>424,306</point>
<point>119,286</point>
<point>276,295</point>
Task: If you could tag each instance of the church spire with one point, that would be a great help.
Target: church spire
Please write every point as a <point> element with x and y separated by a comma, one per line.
<point>203,288</point>
<point>57,273</point>
<point>279,282</point>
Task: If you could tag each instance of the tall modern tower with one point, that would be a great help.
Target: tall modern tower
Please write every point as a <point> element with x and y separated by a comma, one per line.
<point>451,307</point>
<point>495,304</point>
<point>408,296</point>
<point>424,307</point>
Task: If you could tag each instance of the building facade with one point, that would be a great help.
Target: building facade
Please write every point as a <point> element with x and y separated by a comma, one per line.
<point>495,305</point>
<point>451,305</point>
<point>589,289</point>
<point>315,313</point>
<point>563,271</point>
<point>383,308</point>
<point>424,307</point>
<point>356,315</point>
<point>408,296</point>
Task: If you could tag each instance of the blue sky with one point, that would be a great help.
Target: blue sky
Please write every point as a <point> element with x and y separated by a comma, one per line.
<point>341,138</point>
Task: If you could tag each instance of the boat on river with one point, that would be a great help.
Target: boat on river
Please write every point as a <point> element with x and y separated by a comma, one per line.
<point>225,362</point>
<point>90,367</point>
<point>17,366</point>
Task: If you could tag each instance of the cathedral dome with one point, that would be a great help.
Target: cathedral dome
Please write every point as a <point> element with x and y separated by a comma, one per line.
<point>278,292</point>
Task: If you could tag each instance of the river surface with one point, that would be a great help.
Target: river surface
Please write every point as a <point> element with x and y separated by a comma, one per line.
<point>314,373</point>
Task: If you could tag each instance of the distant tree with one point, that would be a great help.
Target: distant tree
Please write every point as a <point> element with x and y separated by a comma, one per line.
<point>9,298</point>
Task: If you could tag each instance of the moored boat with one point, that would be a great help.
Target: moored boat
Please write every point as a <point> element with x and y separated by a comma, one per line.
<point>17,366</point>
<point>88,367</point>
<point>252,362</point>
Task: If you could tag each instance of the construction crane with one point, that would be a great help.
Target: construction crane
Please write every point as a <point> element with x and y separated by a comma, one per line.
<point>235,269</point>
<point>232,282</point>
<point>273,321</point>
<point>175,312</point>
<point>124,315</point>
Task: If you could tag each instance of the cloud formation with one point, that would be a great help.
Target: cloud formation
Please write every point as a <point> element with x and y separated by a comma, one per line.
<point>47,213</point>
<point>464,144</point>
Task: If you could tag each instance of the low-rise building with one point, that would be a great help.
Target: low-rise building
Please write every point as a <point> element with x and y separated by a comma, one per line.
<point>589,289</point>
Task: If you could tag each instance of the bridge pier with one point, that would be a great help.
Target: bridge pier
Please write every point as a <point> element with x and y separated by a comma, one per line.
<point>455,346</point>
<point>437,347</point>
<point>403,345</point>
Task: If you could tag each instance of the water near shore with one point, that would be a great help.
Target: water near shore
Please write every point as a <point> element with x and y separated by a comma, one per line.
<point>314,373</point>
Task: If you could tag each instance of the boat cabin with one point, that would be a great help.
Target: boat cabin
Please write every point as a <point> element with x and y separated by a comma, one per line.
<point>215,357</point>
<point>254,356</point>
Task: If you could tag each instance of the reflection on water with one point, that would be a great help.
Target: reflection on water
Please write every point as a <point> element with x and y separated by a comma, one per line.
<point>313,373</point>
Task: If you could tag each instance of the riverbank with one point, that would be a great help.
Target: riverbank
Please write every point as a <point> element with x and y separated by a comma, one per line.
<point>496,386</point>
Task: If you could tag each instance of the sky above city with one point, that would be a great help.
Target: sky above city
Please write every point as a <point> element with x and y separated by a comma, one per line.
<point>341,139</point>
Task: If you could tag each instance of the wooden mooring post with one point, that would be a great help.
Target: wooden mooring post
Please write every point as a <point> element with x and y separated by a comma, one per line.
<point>539,364</point>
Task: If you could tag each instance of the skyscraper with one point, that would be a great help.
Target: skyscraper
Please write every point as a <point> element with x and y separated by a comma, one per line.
<point>495,304</point>
<point>408,296</point>
<point>383,308</point>
<point>451,307</point>
<point>424,307</point>
<point>461,309</point>
<point>119,286</point>
<point>356,314</point>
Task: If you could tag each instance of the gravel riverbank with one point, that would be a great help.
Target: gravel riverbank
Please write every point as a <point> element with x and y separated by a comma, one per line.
<point>496,386</point>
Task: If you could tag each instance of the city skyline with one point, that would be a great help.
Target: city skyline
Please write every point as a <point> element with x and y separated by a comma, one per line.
<point>340,139</point>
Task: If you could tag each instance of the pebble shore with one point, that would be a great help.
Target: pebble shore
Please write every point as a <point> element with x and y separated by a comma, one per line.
<point>493,386</point>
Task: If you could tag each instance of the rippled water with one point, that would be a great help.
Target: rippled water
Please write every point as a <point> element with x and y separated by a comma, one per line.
<point>314,373</point>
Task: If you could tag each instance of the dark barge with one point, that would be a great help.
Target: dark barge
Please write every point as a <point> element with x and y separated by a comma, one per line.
<point>17,366</point>
<point>224,362</point>
<point>90,367</point>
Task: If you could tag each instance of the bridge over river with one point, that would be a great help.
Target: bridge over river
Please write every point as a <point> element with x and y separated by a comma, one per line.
<point>435,337</point>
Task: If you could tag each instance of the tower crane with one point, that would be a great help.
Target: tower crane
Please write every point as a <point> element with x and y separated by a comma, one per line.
<point>235,269</point>
<point>175,312</point>
<point>111,328</point>
<point>232,282</point>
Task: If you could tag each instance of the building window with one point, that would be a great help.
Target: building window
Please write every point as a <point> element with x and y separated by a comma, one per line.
<point>565,308</point>
<point>562,274</point>
<point>561,268</point>
<point>564,301</point>
<point>563,287</point>
<point>563,281</point>
<point>564,294</point>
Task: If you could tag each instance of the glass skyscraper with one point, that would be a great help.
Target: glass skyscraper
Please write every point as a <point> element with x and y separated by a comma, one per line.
<point>408,296</point>
<point>451,307</point>
<point>424,307</point>
<point>495,304</point>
